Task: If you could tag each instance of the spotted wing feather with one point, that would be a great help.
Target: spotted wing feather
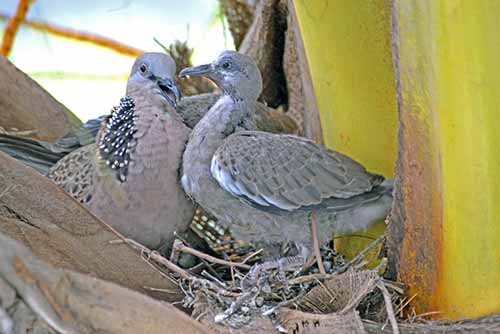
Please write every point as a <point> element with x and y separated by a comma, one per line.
<point>285,171</point>
<point>74,173</point>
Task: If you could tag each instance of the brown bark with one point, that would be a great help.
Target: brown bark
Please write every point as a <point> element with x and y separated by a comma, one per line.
<point>63,233</point>
<point>26,106</point>
<point>264,43</point>
<point>302,105</point>
<point>414,235</point>
<point>275,43</point>
<point>74,303</point>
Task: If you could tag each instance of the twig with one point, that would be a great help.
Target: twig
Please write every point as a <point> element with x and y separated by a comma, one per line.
<point>403,305</point>
<point>352,235</point>
<point>201,255</point>
<point>174,268</point>
<point>213,278</point>
<point>284,303</point>
<point>308,278</point>
<point>154,255</point>
<point>388,305</point>
<point>426,314</point>
<point>160,290</point>
<point>360,265</point>
<point>165,49</point>
<point>150,254</point>
<point>13,26</point>
<point>160,259</point>
<point>174,254</point>
<point>396,286</point>
<point>156,267</point>
<point>314,234</point>
<point>216,291</point>
<point>81,36</point>
<point>254,254</point>
<point>362,253</point>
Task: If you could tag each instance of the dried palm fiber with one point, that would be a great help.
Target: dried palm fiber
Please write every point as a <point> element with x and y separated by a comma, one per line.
<point>240,15</point>
<point>332,304</point>
<point>181,53</point>
<point>340,293</point>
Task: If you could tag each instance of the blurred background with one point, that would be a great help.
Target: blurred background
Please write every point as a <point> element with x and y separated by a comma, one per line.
<point>72,71</point>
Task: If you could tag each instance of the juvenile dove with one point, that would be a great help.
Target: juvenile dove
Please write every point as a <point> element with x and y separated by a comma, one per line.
<point>264,186</point>
<point>130,177</point>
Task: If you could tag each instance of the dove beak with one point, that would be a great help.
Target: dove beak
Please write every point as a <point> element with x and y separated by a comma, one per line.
<point>169,91</point>
<point>201,70</point>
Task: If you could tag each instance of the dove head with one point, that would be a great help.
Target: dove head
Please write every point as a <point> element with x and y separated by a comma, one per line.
<point>153,75</point>
<point>234,73</point>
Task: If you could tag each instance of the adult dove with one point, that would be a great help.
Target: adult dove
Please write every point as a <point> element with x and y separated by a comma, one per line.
<point>264,186</point>
<point>129,178</point>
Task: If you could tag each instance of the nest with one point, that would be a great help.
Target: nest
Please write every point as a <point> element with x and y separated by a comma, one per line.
<point>236,287</point>
<point>270,296</point>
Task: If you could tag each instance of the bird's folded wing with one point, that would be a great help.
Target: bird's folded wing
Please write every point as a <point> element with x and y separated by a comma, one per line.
<point>84,135</point>
<point>193,108</point>
<point>74,173</point>
<point>31,152</point>
<point>285,171</point>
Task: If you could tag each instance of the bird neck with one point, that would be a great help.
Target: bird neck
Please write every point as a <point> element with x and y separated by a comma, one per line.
<point>239,97</point>
<point>225,117</point>
<point>235,113</point>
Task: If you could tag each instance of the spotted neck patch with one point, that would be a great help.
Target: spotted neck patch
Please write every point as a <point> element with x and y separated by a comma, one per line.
<point>117,141</point>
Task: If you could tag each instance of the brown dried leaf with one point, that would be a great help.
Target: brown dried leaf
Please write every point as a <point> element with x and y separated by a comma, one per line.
<point>341,293</point>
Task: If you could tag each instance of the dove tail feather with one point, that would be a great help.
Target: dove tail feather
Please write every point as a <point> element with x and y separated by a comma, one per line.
<point>33,153</point>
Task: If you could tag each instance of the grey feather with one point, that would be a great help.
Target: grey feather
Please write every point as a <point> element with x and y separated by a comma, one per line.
<point>264,186</point>
<point>295,172</point>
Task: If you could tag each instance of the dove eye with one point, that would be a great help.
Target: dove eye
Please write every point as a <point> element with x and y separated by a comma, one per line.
<point>226,65</point>
<point>143,68</point>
